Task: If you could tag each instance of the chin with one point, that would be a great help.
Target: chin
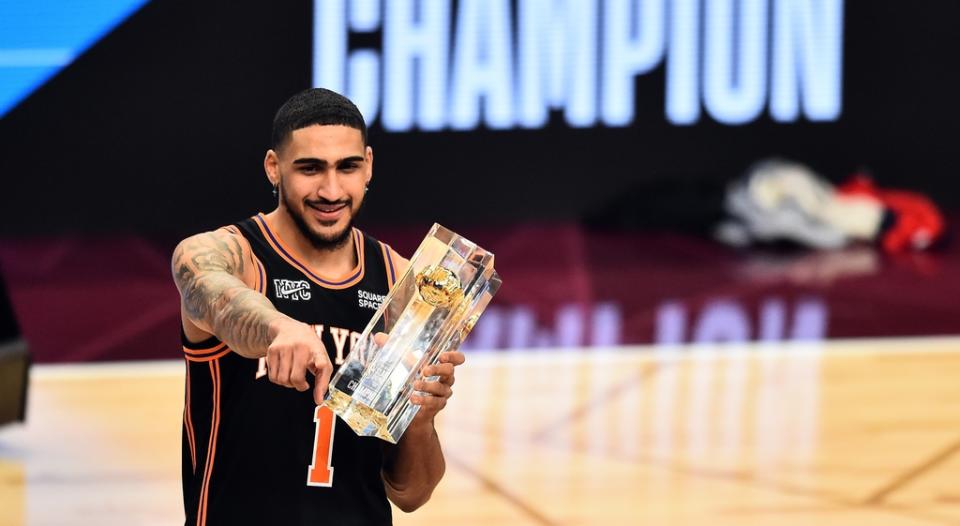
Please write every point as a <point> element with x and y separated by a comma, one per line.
<point>331,230</point>
<point>328,235</point>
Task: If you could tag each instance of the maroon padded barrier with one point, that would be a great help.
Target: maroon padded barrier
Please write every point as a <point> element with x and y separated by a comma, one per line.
<point>81,299</point>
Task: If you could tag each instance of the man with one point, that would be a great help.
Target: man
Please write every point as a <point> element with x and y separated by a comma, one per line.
<point>271,298</point>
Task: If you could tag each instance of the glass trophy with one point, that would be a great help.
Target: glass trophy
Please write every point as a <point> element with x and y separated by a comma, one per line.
<point>429,310</point>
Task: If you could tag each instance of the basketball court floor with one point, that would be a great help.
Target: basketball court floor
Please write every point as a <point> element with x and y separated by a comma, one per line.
<point>834,433</point>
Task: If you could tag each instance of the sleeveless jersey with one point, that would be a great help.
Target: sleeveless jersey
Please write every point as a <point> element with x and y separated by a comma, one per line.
<point>258,453</point>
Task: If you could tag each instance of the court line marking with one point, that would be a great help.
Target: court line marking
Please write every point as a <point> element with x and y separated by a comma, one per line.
<point>608,395</point>
<point>499,490</point>
<point>911,474</point>
<point>784,488</point>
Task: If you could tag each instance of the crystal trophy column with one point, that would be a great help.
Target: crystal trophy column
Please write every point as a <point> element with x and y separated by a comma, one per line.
<point>430,309</point>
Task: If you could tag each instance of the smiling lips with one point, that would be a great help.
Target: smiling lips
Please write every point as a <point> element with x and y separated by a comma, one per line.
<point>328,212</point>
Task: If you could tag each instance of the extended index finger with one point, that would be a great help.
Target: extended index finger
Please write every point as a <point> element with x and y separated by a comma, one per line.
<point>322,381</point>
<point>321,368</point>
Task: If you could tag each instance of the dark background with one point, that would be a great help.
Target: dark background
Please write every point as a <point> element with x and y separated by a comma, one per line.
<point>161,128</point>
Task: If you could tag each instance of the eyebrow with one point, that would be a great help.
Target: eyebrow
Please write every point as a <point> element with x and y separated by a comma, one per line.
<point>314,160</point>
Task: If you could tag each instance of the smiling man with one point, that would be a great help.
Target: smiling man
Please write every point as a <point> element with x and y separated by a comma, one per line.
<point>266,301</point>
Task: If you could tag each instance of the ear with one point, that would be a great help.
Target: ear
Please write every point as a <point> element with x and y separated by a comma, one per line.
<point>368,153</point>
<point>271,165</point>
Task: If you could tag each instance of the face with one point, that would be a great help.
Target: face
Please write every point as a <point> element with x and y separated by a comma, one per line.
<point>322,173</point>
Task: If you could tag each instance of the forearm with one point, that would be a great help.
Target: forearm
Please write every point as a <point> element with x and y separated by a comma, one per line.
<point>208,270</point>
<point>241,317</point>
<point>414,467</point>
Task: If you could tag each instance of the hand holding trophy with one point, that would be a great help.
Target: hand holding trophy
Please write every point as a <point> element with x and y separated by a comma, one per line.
<point>430,310</point>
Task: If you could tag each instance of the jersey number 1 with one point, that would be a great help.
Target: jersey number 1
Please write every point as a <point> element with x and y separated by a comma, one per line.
<point>320,472</point>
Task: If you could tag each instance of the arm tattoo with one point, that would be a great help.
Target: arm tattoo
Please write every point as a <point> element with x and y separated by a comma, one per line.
<point>208,270</point>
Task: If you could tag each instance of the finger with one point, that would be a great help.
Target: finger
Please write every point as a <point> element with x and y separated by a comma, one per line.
<point>443,370</point>
<point>283,369</point>
<point>453,357</point>
<point>428,404</point>
<point>273,365</point>
<point>322,370</point>
<point>448,380</point>
<point>380,338</point>
<point>433,388</point>
<point>421,399</point>
<point>298,371</point>
<point>429,370</point>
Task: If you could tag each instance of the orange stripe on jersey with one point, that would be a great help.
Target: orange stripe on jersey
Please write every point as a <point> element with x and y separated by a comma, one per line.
<point>188,423</point>
<point>293,259</point>
<point>209,357</point>
<point>212,446</point>
<point>195,354</point>
<point>205,350</point>
<point>261,276</point>
<point>388,261</point>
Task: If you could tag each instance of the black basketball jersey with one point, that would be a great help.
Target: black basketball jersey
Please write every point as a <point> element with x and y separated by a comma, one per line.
<point>258,453</point>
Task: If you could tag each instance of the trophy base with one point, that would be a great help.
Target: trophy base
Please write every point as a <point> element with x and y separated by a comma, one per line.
<point>364,420</point>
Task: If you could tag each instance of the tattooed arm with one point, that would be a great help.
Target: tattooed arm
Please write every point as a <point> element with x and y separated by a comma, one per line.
<point>213,272</point>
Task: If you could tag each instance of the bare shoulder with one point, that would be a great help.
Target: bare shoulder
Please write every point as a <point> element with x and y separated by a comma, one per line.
<point>402,264</point>
<point>216,251</point>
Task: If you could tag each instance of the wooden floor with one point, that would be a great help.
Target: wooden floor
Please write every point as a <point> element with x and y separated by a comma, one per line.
<point>829,434</point>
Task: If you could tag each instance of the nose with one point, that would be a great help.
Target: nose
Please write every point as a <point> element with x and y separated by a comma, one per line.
<point>329,186</point>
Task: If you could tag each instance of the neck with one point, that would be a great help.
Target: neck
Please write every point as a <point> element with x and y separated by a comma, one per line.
<point>333,262</point>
